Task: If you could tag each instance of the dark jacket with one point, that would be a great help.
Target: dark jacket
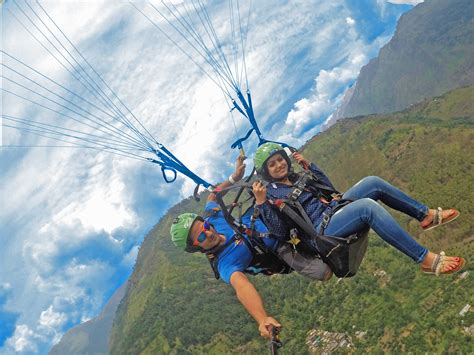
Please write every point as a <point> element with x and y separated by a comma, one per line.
<point>278,223</point>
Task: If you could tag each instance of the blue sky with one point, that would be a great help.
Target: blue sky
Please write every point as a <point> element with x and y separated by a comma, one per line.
<point>72,220</point>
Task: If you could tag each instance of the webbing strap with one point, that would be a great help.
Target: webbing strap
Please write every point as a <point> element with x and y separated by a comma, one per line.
<point>302,212</point>
<point>283,206</point>
<point>169,162</point>
<point>253,242</point>
<point>298,187</point>
<point>247,112</point>
<point>246,184</point>
<point>212,259</point>
<point>302,219</point>
<point>238,142</point>
<point>323,187</point>
<point>308,179</point>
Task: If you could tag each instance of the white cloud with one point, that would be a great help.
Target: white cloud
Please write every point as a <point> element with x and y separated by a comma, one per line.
<point>26,339</point>
<point>23,339</point>
<point>5,287</point>
<point>350,21</point>
<point>51,319</point>
<point>309,112</point>
<point>103,209</point>
<point>304,110</point>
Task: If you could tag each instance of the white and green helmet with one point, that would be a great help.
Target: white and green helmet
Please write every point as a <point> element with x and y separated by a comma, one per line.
<point>180,231</point>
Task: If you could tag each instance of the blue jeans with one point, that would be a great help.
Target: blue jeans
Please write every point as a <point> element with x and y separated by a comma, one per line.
<point>365,211</point>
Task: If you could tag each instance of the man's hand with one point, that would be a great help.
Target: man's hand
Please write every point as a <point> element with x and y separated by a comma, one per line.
<point>236,176</point>
<point>239,168</point>
<point>260,192</point>
<point>266,325</point>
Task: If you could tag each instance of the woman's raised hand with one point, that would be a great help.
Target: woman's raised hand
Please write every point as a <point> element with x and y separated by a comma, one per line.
<point>301,160</point>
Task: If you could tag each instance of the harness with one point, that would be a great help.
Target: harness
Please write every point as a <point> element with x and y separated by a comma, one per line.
<point>343,255</point>
<point>264,261</point>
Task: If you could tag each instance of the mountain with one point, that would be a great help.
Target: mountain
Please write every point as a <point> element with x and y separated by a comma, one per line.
<point>91,337</point>
<point>431,52</point>
<point>175,306</point>
<point>336,115</point>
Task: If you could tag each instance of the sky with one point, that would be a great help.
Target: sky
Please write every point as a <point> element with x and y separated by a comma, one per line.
<point>72,219</point>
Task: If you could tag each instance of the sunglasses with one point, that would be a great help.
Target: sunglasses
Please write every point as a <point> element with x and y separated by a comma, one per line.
<point>202,235</point>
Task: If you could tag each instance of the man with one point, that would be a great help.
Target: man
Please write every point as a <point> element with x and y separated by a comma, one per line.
<point>214,235</point>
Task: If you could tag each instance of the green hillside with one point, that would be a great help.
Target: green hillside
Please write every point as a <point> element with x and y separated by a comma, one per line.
<point>175,306</point>
<point>430,54</point>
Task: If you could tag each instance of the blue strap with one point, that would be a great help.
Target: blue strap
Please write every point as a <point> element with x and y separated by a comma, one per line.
<point>238,142</point>
<point>284,145</point>
<point>247,111</point>
<point>250,114</point>
<point>236,106</point>
<point>165,177</point>
<point>169,162</point>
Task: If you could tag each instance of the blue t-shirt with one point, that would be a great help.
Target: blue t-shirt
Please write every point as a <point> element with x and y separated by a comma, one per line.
<point>236,256</point>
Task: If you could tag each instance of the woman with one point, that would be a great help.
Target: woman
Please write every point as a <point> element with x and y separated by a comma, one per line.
<point>274,165</point>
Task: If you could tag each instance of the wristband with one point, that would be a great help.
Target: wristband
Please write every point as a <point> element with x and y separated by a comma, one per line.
<point>231,180</point>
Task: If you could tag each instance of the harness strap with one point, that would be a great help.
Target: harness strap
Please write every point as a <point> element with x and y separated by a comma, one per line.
<point>308,228</point>
<point>302,219</point>
<point>253,218</point>
<point>327,216</point>
<point>254,241</point>
<point>322,186</point>
<point>212,260</point>
<point>299,187</point>
<point>302,212</point>
<point>307,180</point>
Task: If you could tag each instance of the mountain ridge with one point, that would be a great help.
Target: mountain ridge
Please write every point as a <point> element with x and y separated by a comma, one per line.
<point>430,53</point>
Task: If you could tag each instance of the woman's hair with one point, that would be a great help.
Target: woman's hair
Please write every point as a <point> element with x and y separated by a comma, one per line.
<point>292,176</point>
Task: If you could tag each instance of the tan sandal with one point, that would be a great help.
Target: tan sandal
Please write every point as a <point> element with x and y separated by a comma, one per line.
<point>438,265</point>
<point>439,220</point>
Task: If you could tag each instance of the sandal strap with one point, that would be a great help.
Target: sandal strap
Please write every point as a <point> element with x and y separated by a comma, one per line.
<point>438,263</point>
<point>438,216</point>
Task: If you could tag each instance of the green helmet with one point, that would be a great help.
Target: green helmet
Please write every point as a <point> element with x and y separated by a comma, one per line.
<point>265,152</point>
<point>180,229</point>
